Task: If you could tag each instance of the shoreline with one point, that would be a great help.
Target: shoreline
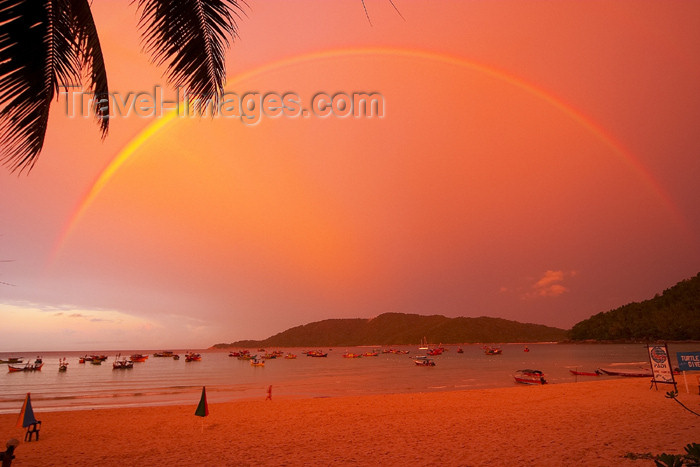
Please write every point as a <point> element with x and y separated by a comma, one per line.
<point>584,423</point>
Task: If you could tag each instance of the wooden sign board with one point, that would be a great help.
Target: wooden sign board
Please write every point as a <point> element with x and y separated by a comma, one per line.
<point>660,364</point>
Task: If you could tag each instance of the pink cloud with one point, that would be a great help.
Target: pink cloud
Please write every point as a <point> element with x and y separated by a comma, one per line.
<point>549,285</point>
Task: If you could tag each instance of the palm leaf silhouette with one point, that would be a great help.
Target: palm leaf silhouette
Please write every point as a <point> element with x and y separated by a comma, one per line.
<point>49,44</point>
<point>190,37</point>
<point>37,56</point>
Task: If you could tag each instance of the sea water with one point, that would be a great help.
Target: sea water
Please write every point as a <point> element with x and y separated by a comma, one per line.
<point>165,381</point>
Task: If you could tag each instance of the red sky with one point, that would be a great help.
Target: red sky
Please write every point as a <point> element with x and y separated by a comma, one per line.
<point>537,161</point>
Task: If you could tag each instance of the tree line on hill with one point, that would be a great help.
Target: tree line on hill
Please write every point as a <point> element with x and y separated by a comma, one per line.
<point>673,315</point>
<point>405,329</point>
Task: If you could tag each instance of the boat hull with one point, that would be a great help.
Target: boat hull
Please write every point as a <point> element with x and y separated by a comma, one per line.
<point>627,374</point>
<point>584,373</point>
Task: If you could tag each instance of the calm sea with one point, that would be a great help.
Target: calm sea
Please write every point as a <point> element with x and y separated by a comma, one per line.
<point>164,381</point>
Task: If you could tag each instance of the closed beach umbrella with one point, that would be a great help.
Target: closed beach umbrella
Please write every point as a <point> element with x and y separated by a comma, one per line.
<point>202,408</point>
<point>26,415</point>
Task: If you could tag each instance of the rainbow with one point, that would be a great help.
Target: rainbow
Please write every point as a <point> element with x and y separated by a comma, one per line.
<point>591,126</point>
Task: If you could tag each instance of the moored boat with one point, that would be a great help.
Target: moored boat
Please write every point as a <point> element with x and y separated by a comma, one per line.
<point>27,367</point>
<point>493,350</point>
<point>139,358</point>
<point>13,360</point>
<point>627,373</point>
<point>256,362</point>
<point>352,355</point>
<point>423,344</point>
<point>585,373</point>
<point>192,357</point>
<point>529,377</point>
<point>164,354</point>
<point>62,365</point>
<point>122,363</point>
<point>423,360</point>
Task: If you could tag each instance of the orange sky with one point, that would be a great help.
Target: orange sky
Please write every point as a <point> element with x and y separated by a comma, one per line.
<point>537,161</point>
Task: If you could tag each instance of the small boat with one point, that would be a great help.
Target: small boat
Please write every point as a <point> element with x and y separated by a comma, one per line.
<point>96,362</point>
<point>529,377</point>
<point>122,363</point>
<point>585,373</point>
<point>423,344</point>
<point>493,350</point>
<point>629,374</point>
<point>164,354</point>
<point>290,356</point>
<point>256,362</point>
<point>423,360</point>
<point>176,357</point>
<point>352,355</point>
<point>526,349</point>
<point>13,360</point>
<point>27,367</point>
<point>139,358</point>
<point>193,357</point>
<point>460,350</point>
<point>62,365</point>
<point>316,353</point>
<point>396,351</point>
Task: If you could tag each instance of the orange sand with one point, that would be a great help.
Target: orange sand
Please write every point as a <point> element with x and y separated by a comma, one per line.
<point>585,423</point>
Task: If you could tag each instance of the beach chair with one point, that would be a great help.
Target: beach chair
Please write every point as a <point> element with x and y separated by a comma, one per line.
<point>33,429</point>
<point>7,456</point>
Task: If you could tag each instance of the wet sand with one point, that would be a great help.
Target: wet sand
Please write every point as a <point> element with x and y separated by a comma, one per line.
<point>585,423</point>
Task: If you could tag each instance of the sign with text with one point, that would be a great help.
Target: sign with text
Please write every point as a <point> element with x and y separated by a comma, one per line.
<point>660,364</point>
<point>688,361</point>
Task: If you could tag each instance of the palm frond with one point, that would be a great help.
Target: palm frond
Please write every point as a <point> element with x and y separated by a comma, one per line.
<point>37,55</point>
<point>190,37</point>
<point>88,44</point>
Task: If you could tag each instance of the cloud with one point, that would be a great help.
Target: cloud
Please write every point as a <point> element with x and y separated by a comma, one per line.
<point>549,285</point>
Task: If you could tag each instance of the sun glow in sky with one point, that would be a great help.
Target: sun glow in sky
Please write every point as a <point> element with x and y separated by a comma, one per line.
<point>535,161</point>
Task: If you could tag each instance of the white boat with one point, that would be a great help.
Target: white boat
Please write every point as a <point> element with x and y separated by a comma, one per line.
<point>423,344</point>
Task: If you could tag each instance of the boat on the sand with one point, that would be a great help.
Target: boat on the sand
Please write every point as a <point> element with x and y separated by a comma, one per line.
<point>528,376</point>
<point>642,373</point>
<point>585,373</point>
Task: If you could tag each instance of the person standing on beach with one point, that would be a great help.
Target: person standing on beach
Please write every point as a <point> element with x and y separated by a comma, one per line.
<point>269,393</point>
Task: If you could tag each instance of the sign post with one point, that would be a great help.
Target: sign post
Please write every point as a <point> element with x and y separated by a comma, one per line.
<point>661,365</point>
<point>688,361</point>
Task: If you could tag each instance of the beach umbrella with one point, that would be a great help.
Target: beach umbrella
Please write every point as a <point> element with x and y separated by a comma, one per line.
<point>26,415</point>
<point>202,408</point>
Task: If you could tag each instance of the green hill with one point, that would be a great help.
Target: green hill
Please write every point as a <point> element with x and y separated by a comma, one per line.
<point>673,315</point>
<point>405,329</point>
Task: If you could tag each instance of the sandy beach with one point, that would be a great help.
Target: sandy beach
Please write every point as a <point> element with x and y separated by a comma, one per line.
<point>584,423</point>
